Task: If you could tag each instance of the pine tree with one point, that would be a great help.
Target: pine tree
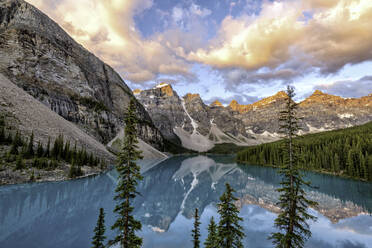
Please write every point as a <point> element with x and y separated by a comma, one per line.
<point>47,151</point>
<point>196,231</point>
<point>99,231</point>
<point>2,135</point>
<point>230,232</point>
<point>212,239</point>
<point>20,165</point>
<point>40,150</point>
<point>294,230</point>
<point>30,147</point>
<point>129,175</point>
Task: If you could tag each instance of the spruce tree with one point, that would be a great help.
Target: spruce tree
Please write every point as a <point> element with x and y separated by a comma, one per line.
<point>30,146</point>
<point>129,175</point>
<point>230,232</point>
<point>212,239</point>
<point>2,135</point>
<point>20,165</point>
<point>99,231</point>
<point>196,231</point>
<point>294,230</point>
<point>47,151</point>
<point>40,150</point>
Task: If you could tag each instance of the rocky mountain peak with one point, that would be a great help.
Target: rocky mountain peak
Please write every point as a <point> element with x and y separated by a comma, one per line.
<point>216,104</point>
<point>318,93</point>
<point>165,88</point>
<point>318,97</point>
<point>234,105</point>
<point>137,91</point>
<point>190,96</point>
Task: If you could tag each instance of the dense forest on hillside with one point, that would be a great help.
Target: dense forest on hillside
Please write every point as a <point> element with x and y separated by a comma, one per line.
<point>346,152</point>
<point>19,152</point>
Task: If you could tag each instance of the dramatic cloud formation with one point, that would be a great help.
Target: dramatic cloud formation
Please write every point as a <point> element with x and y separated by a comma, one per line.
<point>320,34</point>
<point>349,88</point>
<point>265,43</point>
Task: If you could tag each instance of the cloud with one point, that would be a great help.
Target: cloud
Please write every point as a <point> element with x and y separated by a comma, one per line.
<point>237,77</point>
<point>240,98</point>
<point>348,88</point>
<point>338,33</point>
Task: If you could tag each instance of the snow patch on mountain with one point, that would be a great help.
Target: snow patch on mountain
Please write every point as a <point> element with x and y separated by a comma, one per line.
<point>345,116</point>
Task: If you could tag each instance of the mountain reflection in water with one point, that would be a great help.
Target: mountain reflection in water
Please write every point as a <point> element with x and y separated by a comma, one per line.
<point>63,214</point>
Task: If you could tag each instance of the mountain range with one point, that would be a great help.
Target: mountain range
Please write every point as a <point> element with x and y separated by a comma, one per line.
<point>189,121</point>
<point>50,84</point>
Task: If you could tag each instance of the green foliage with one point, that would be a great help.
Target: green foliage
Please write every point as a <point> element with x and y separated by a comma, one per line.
<point>30,147</point>
<point>32,177</point>
<point>226,148</point>
<point>196,231</point>
<point>75,170</point>
<point>212,239</point>
<point>343,152</point>
<point>89,102</point>
<point>292,220</point>
<point>174,148</point>
<point>129,175</point>
<point>99,231</point>
<point>40,150</point>
<point>230,232</point>
<point>20,164</point>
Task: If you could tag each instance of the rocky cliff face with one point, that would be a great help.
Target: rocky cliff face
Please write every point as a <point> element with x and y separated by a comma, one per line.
<point>166,110</point>
<point>190,122</point>
<point>40,57</point>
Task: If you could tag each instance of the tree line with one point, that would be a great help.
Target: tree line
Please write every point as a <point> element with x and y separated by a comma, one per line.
<point>23,148</point>
<point>346,152</point>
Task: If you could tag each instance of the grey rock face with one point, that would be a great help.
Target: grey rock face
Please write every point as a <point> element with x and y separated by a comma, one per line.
<point>201,125</point>
<point>166,111</point>
<point>40,57</point>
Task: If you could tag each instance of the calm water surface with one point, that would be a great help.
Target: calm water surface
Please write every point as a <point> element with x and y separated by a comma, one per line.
<point>63,214</point>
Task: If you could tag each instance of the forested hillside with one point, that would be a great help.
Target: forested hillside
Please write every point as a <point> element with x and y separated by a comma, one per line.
<point>346,152</point>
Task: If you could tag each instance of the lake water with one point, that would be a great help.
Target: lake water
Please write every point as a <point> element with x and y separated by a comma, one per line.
<point>63,214</point>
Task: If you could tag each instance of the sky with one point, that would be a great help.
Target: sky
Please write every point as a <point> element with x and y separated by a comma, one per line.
<point>239,49</point>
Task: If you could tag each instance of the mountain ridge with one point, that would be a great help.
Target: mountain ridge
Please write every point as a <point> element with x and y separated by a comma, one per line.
<point>250,124</point>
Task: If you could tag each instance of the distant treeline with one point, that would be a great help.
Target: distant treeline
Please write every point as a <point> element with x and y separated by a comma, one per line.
<point>346,152</point>
<point>49,157</point>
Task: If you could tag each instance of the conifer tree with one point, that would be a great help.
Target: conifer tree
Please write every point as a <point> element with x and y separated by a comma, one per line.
<point>212,239</point>
<point>40,150</point>
<point>20,165</point>
<point>129,175</point>
<point>14,147</point>
<point>30,147</point>
<point>99,231</point>
<point>2,135</point>
<point>230,232</point>
<point>196,231</point>
<point>47,151</point>
<point>294,230</point>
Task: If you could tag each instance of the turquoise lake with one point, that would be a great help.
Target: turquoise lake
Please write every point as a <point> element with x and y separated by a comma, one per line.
<point>63,214</point>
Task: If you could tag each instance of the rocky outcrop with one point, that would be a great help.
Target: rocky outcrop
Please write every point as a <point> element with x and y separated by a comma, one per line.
<point>40,57</point>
